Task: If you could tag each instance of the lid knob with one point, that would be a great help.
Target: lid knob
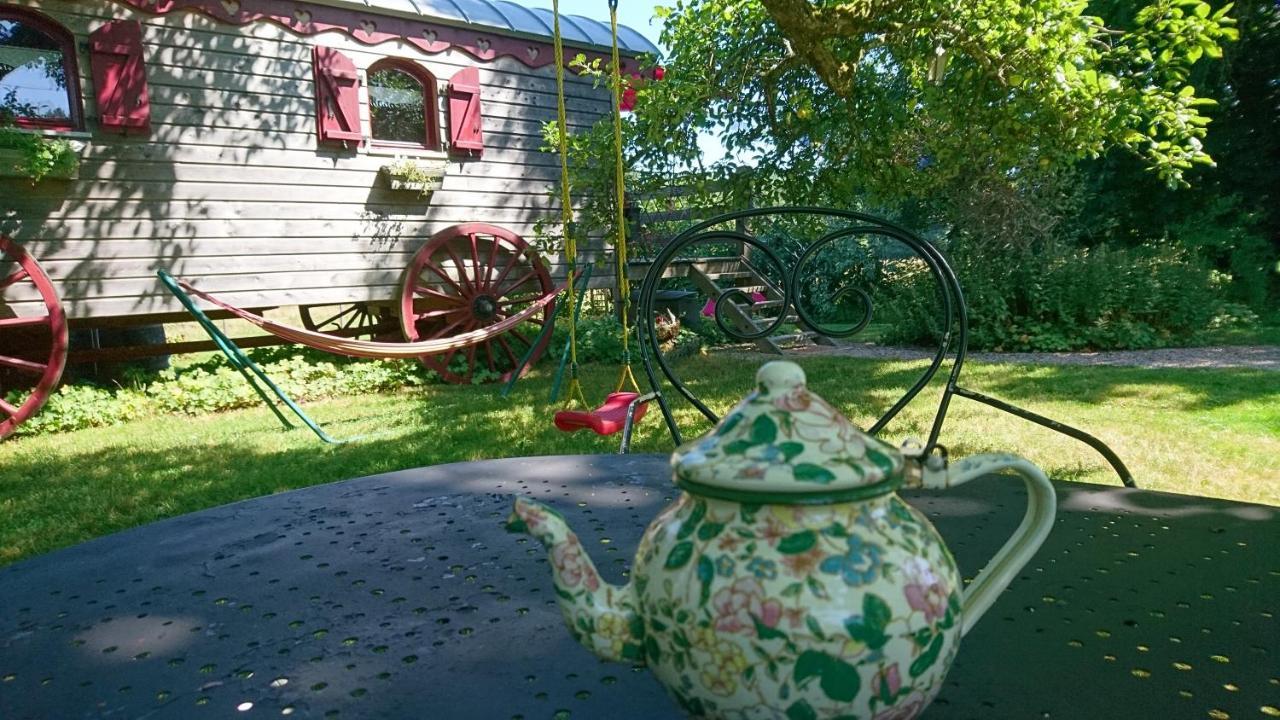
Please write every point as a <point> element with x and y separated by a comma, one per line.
<point>780,376</point>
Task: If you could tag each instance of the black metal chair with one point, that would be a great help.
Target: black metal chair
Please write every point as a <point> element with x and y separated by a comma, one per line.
<point>760,268</point>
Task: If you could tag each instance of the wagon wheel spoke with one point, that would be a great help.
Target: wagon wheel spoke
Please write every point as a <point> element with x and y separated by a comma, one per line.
<point>24,365</point>
<point>439,272</point>
<point>488,350</point>
<point>445,360</point>
<point>512,261</point>
<point>533,273</point>
<point>522,300</point>
<point>8,409</point>
<point>490,263</point>
<point>425,291</point>
<point>357,318</point>
<point>25,321</point>
<point>462,272</point>
<point>16,276</point>
<point>439,313</point>
<point>476,283</point>
<point>448,328</point>
<point>520,336</point>
<point>506,348</point>
<point>471,362</point>
<point>336,317</point>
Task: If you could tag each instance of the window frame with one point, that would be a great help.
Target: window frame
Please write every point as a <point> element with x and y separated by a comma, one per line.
<point>430,103</point>
<point>70,67</point>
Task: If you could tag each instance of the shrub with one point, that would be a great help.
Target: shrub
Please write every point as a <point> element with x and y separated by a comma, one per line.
<point>599,339</point>
<point>1059,299</point>
<point>212,385</point>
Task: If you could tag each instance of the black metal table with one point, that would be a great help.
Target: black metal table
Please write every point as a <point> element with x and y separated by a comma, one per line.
<point>401,596</point>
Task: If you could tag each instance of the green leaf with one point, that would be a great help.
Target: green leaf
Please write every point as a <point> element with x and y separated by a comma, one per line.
<point>737,447</point>
<point>927,658</point>
<point>729,424</point>
<point>875,612</point>
<point>840,680</point>
<point>748,513</point>
<point>922,637</point>
<point>763,430</point>
<point>816,587</point>
<point>790,450</point>
<point>814,627</point>
<point>810,664</point>
<point>691,523</point>
<point>808,472</point>
<point>708,531</point>
<point>632,651</point>
<point>797,543</point>
<point>706,574</point>
<point>800,710</point>
<point>792,590</point>
<point>652,653</point>
<point>764,632</point>
<point>872,637</point>
<point>880,460</point>
<point>679,555</point>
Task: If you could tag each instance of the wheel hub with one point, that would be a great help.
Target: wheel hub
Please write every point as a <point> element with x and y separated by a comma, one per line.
<point>484,307</point>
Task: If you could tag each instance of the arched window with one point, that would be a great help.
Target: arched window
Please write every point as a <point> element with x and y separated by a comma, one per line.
<point>39,85</point>
<point>402,104</point>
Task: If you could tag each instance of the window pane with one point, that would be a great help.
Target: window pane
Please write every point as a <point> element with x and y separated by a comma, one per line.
<point>396,106</point>
<point>33,81</point>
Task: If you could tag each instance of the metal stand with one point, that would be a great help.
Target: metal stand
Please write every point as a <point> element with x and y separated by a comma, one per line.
<point>241,362</point>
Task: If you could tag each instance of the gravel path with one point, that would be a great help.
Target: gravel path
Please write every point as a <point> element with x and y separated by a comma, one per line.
<point>1258,357</point>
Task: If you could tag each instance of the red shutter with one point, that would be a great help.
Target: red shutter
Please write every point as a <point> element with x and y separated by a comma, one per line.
<point>464,111</point>
<point>337,104</point>
<point>120,77</point>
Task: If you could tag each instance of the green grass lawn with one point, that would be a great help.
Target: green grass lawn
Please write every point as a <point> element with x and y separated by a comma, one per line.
<point>1203,432</point>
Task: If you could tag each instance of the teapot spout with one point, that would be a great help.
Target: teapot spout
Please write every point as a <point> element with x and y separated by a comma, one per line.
<point>601,616</point>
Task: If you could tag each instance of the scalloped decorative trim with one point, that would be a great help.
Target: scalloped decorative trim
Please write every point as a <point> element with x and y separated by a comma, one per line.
<point>480,42</point>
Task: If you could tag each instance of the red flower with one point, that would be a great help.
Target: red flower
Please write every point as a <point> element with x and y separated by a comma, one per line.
<point>628,102</point>
<point>659,73</point>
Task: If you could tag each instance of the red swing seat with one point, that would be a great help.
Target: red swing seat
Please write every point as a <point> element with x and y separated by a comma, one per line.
<point>607,419</point>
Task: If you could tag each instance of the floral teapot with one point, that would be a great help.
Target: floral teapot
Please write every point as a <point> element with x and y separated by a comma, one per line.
<point>789,579</point>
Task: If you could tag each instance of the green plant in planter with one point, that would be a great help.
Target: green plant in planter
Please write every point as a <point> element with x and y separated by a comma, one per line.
<point>38,157</point>
<point>409,174</point>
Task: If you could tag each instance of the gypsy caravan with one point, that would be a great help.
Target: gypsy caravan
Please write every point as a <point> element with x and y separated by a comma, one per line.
<point>274,153</point>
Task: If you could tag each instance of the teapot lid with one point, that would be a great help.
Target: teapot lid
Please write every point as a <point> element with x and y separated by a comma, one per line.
<point>784,444</point>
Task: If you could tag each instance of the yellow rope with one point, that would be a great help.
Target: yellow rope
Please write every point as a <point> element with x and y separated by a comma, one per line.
<point>620,243</point>
<point>566,214</point>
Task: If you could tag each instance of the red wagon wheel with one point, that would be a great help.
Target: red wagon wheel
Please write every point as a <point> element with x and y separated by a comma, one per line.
<point>374,321</point>
<point>33,346</point>
<point>465,278</point>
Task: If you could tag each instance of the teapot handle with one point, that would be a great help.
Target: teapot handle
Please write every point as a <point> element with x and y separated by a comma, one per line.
<point>1021,546</point>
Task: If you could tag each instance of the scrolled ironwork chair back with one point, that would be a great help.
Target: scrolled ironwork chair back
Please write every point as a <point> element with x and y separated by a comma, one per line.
<point>782,249</point>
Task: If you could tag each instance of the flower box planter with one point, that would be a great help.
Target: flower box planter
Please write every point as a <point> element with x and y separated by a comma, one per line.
<point>12,161</point>
<point>422,177</point>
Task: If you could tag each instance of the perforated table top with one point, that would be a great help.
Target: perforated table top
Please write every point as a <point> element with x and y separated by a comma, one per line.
<point>401,596</point>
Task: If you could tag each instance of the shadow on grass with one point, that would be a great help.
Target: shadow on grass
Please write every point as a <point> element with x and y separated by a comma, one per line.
<point>56,491</point>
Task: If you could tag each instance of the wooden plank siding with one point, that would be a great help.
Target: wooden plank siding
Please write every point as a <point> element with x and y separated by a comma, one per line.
<point>230,190</point>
